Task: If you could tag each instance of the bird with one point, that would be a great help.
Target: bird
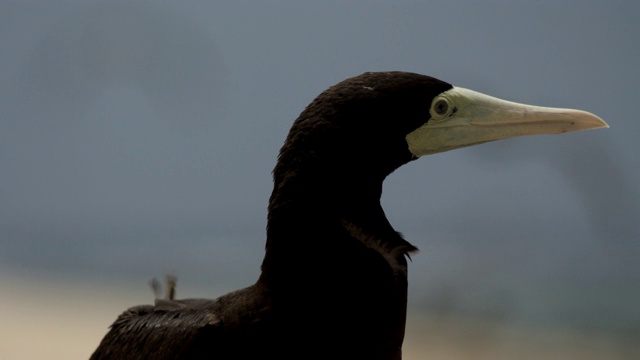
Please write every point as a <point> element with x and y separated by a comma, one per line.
<point>333,282</point>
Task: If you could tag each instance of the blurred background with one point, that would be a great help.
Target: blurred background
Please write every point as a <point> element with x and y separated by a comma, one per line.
<point>137,139</point>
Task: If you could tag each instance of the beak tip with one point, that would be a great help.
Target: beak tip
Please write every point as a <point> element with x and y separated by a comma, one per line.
<point>599,123</point>
<point>587,121</point>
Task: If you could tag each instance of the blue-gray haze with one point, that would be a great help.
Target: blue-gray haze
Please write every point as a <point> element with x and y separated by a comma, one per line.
<point>137,138</point>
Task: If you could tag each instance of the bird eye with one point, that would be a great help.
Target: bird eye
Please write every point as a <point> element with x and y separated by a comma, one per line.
<point>441,107</point>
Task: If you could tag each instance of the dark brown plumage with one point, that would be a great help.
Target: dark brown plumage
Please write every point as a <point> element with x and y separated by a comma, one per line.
<point>334,277</point>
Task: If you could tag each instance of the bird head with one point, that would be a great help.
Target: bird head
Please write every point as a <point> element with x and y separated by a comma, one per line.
<point>381,120</point>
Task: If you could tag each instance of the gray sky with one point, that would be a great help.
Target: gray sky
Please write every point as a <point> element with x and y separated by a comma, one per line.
<point>138,138</point>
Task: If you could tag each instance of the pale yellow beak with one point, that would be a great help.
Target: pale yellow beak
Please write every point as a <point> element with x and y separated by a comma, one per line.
<point>462,117</point>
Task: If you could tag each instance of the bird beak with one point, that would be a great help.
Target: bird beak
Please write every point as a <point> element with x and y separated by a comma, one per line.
<point>462,117</point>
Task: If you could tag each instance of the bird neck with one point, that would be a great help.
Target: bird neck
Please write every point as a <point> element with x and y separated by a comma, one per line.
<point>323,220</point>
<point>332,253</point>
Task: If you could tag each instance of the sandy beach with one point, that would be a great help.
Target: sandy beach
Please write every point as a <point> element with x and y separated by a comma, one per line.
<point>67,320</point>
